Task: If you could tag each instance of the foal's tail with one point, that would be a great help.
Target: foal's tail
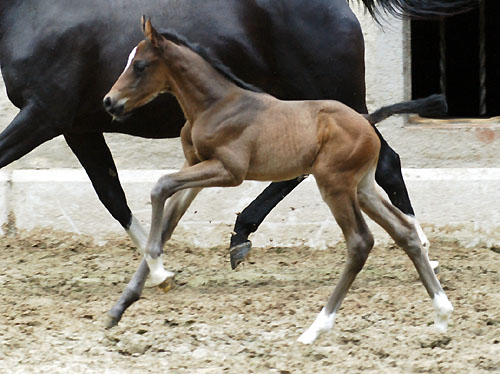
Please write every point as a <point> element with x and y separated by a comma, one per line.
<point>434,105</point>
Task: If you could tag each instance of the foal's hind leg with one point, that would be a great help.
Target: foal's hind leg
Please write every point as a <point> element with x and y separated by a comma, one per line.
<point>405,232</point>
<point>359,240</point>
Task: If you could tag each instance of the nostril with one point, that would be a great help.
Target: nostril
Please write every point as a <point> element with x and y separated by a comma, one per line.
<point>107,102</point>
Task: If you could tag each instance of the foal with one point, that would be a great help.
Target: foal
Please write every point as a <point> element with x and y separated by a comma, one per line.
<point>233,134</point>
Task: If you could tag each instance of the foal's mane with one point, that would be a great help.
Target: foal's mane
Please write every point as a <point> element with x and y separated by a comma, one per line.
<point>209,57</point>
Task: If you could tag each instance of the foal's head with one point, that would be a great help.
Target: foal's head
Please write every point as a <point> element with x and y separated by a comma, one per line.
<point>144,78</point>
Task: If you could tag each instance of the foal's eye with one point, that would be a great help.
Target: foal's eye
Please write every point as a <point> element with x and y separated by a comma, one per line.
<point>139,66</point>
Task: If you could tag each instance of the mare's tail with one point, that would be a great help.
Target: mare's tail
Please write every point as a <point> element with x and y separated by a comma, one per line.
<point>434,105</point>
<point>426,9</point>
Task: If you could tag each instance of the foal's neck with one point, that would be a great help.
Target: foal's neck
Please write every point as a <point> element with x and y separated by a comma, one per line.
<point>196,84</point>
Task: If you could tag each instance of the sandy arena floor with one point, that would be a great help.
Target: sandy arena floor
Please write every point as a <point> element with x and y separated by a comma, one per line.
<point>56,288</point>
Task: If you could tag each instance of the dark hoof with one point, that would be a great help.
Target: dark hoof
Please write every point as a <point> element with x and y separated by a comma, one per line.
<point>239,252</point>
<point>111,321</point>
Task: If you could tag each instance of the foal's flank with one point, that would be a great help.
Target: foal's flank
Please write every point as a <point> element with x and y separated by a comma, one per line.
<point>234,134</point>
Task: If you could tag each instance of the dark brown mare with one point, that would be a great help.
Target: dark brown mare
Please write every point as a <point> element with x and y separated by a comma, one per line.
<point>59,57</point>
<point>233,133</point>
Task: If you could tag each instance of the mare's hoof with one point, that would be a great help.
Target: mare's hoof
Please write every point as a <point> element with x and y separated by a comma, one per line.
<point>167,284</point>
<point>111,321</point>
<point>239,252</point>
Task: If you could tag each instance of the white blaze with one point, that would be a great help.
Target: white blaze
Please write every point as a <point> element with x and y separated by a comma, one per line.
<point>130,58</point>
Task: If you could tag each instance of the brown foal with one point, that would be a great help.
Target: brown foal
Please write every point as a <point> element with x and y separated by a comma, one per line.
<point>233,134</point>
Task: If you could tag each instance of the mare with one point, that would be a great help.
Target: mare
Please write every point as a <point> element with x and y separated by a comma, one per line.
<point>59,57</point>
<point>235,133</point>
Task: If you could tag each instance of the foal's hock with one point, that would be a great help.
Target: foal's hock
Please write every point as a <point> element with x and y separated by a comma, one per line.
<point>234,134</point>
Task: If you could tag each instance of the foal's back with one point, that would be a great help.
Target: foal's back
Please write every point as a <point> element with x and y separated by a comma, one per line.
<point>289,137</point>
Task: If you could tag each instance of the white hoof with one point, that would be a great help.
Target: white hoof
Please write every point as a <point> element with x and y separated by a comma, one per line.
<point>307,337</point>
<point>321,324</point>
<point>443,309</point>
<point>158,274</point>
<point>434,265</point>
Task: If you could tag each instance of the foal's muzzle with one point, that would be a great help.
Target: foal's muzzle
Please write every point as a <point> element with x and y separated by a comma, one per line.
<point>113,107</point>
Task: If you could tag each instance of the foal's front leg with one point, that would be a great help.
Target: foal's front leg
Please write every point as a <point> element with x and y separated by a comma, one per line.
<point>175,209</point>
<point>210,173</point>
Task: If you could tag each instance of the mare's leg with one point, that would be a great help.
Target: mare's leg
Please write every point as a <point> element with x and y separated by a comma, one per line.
<point>30,128</point>
<point>405,233</point>
<point>344,206</point>
<point>390,178</point>
<point>95,157</point>
<point>210,173</point>
<point>174,210</point>
<point>252,216</point>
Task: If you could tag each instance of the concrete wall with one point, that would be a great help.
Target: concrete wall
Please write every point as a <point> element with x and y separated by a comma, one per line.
<point>450,171</point>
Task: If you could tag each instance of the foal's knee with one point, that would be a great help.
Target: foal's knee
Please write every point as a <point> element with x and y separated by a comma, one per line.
<point>411,243</point>
<point>162,189</point>
<point>358,250</point>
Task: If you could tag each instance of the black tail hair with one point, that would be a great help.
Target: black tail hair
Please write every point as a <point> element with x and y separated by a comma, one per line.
<point>427,9</point>
<point>434,105</point>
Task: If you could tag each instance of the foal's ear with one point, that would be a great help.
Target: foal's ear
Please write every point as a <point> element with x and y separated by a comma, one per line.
<point>150,33</point>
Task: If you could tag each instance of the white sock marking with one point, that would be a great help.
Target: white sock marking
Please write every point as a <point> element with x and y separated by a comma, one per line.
<point>322,323</point>
<point>443,309</point>
<point>158,274</point>
<point>421,235</point>
<point>434,264</point>
<point>425,242</point>
<point>137,234</point>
